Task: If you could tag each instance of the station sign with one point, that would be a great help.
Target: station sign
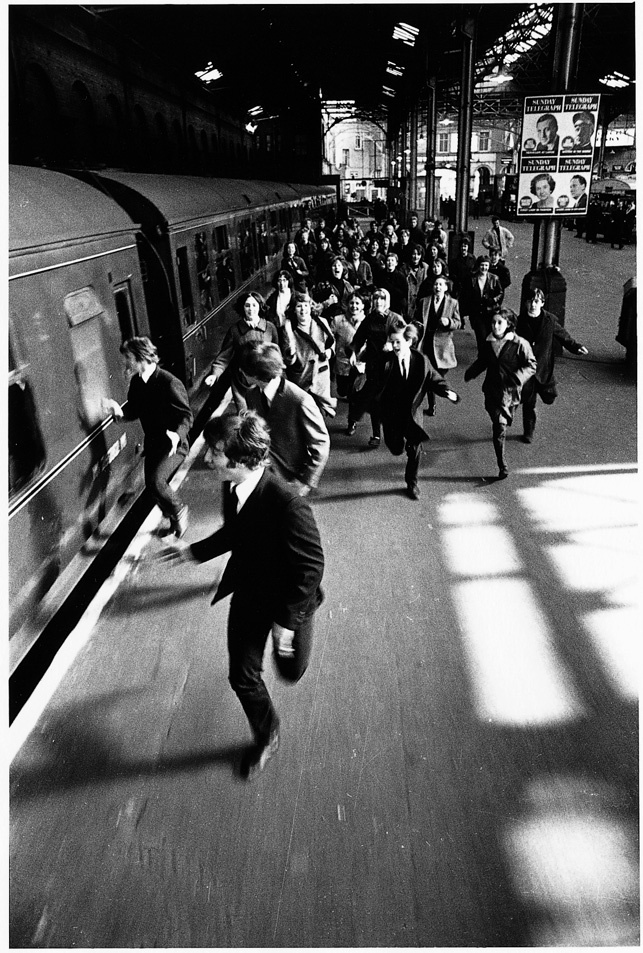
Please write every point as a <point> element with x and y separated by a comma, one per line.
<point>557,154</point>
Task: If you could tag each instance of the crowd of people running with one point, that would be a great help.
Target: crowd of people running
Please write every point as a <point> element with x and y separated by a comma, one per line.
<point>373,312</point>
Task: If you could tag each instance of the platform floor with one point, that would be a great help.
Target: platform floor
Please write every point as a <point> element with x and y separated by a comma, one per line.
<point>458,765</point>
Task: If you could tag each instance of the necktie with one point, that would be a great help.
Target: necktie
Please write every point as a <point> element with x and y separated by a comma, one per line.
<point>403,367</point>
<point>234,497</point>
<point>265,405</point>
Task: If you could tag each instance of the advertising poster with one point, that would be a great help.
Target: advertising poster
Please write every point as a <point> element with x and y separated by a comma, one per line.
<point>557,154</point>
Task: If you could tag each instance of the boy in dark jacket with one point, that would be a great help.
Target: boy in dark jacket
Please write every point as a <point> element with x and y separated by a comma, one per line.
<point>509,362</point>
<point>541,329</point>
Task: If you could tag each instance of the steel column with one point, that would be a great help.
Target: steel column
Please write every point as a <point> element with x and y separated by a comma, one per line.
<point>465,123</point>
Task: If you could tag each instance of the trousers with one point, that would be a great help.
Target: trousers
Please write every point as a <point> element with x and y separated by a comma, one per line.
<point>159,470</point>
<point>249,627</point>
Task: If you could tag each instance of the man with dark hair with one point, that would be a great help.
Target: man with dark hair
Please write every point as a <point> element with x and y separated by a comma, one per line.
<point>462,267</point>
<point>299,440</point>
<point>499,268</point>
<point>541,329</point>
<point>393,281</point>
<point>584,129</point>
<point>498,237</point>
<point>274,573</point>
<point>547,134</point>
<point>578,191</point>
<point>160,401</point>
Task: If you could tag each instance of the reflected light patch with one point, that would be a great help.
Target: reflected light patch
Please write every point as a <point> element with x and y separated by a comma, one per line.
<point>616,636</point>
<point>583,502</point>
<point>466,509</point>
<point>480,551</point>
<point>593,568</point>
<point>514,673</point>
<point>573,859</point>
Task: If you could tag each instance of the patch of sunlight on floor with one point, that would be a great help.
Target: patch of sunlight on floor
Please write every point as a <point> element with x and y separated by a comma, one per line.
<point>600,559</point>
<point>466,509</point>
<point>514,670</point>
<point>569,504</point>
<point>480,551</point>
<point>616,635</point>
<point>573,862</point>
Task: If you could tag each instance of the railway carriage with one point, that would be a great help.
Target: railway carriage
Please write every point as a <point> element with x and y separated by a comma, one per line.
<point>94,259</point>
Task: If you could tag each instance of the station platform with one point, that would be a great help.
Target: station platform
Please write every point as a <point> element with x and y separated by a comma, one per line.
<point>458,766</point>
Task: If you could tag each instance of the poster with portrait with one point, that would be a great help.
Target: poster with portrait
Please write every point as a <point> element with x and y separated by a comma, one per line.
<point>557,154</point>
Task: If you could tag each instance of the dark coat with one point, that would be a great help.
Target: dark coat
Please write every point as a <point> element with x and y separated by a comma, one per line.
<point>160,404</point>
<point>398,288</point>
<point>299,441</point>
<point>508,367</point>
<point>400,401</point>
<point>477,306</point>
<point>541,332</point>
<point>276,554</point>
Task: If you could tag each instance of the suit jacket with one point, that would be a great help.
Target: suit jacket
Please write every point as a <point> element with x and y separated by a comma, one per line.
<point>276,553</point>
<point>582,201</point>
<point>437,340</point>
<point>161,404</point>
<point>299,441</point>
<point>400,400</point>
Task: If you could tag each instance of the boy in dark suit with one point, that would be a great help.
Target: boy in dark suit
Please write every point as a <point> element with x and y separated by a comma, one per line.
<point>407,376</point>
<point>274,573</point>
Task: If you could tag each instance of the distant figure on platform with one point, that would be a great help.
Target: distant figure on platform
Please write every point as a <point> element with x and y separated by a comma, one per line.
<point>541,329</point>
<point>462,268</point>
<point>498,237</point>
<point>438,317</point>
<point>498,267</point>
<point>299,441</point>
<point>308,344</point>
<point>395,282</point>
<point>406,378</point>
<point>296,265</point>
<point>274,573</point>
<point>367,345</point>
<point>159,400</point>
<point>253,326</point>
<point>481,297</point>
<point>509,362</point>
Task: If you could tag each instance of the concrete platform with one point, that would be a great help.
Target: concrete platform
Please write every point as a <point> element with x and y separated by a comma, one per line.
<point>458,765</point>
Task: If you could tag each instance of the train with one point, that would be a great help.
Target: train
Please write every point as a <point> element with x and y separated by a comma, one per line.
<point>95,258</point>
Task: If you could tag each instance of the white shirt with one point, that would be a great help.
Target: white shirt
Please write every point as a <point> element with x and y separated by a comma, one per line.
<point>271,389</point>
<point>245,488</point>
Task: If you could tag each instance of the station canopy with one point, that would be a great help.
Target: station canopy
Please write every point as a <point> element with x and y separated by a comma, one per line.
<point>263,60</point>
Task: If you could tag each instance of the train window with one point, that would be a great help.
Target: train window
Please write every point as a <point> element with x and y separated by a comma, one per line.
<point>220,238</point>
<point>88,347</point>
<point>125,310</point>
<point>187,305</point>
<point>224,268</point>
<point>247,252</point>
<point>26,445</point>
<point>204,277</point>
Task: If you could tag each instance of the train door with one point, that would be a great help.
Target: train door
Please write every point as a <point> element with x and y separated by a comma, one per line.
<point>125,310</point>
